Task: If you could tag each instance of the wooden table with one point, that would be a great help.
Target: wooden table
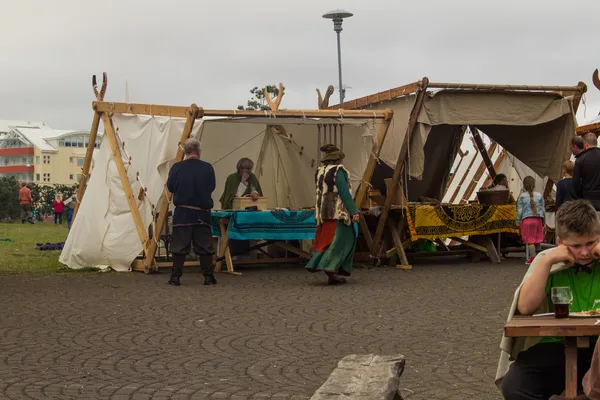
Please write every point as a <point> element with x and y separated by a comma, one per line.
<point>575,330</point>
<point>225,252</point>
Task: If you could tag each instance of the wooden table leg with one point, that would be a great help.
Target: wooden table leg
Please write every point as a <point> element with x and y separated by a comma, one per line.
<point>570,367</point>
<point>398,245</point>
<point>491,250</point>
<point>225,250</point>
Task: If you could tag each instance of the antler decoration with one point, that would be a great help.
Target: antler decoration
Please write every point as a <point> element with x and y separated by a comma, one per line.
<point>595,79</point>
<point>274,105</point>
<point>324,102</point>
<point>100,95</point>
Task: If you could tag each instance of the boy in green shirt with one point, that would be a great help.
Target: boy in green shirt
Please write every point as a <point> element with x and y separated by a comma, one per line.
<point>539,372</point>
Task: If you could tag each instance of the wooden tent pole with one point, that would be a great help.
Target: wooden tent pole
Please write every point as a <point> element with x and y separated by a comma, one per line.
<point>400,164</point>
<point>497,165</point>
<point>462,155</point>
<point>181,112</point>
<point>117,157</point>
<point>484,154</point>
<point>464,177</point>
<point>480,170</point>
<point>476,86</point>
<point>368,175</point>
<point>89,154</point>
<point>457,152</point>
<point>193,114</point>
<point>377,98</point>
<point>373,159</point>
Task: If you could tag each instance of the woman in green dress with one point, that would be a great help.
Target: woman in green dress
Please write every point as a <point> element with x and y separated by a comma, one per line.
<point>241,183</point>
<point>336,216</point>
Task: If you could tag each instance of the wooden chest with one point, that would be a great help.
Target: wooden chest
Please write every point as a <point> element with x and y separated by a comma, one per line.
<point>241,203</point>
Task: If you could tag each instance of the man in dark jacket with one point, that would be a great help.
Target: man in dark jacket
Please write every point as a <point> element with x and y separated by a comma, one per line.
<point>577,146</point>
<point>564,188</point>
<point>586,174</point>
<point>192,182</point>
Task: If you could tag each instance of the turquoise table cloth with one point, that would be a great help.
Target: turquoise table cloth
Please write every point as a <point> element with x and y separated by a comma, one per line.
<point>267,225</point>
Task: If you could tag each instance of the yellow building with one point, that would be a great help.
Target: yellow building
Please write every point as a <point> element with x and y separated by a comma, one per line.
<point>34,152</point>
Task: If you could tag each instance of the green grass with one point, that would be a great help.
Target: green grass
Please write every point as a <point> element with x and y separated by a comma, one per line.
<point>21,256</point>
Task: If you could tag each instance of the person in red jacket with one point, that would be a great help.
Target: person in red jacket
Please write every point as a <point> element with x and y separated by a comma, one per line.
<point>25,201</point>
<point>58,207</point>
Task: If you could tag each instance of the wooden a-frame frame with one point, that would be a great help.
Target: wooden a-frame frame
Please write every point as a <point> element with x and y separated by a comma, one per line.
<point>419,89</point>
<point>103,111</point>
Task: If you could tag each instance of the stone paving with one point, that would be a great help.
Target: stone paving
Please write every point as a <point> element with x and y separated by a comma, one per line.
<point>273,333</point>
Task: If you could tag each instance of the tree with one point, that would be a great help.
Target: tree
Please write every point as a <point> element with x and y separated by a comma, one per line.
<point>258,102</point>
<point>9,199</point>
<point>42,196</point>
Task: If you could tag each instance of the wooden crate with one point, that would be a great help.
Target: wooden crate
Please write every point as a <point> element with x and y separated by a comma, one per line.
<point>493,197</point>
<point>241,203</point>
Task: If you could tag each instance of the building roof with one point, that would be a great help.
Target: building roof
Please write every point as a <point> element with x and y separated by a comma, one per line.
<point>7,124</point>
<point>40,136</point>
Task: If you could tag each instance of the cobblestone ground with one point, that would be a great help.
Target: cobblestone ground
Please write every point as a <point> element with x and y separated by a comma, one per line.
<point>271,333</point>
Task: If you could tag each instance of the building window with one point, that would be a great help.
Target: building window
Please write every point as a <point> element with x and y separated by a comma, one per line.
<point>46,159</point>
<point>71,177</point>
<point>80,162</point>
<point>37,177</point>
<point>37,160</point>
<point>71,159</point>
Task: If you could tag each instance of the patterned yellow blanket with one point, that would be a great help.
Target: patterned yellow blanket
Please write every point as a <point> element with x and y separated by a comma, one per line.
<point>454,220</point>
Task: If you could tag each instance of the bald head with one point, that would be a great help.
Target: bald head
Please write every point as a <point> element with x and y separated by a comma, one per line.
<point>191,148</point>
<point>590,140</point>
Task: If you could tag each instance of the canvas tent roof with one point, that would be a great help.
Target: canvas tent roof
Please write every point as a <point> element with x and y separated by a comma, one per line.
<point>105,233</point>
<point>519,121</point>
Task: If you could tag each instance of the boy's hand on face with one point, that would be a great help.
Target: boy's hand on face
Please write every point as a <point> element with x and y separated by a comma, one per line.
<point>560,254</point>
<point>596,251</point>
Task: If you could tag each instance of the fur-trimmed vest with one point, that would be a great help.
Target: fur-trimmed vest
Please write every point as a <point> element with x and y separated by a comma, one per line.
<point>329,204</point>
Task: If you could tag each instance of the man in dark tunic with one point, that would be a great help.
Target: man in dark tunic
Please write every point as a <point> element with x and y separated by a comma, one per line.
<point>586,173</point>
<point>192,182</point>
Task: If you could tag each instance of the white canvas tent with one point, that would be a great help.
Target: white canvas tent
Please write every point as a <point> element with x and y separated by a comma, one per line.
<point>284,148</point>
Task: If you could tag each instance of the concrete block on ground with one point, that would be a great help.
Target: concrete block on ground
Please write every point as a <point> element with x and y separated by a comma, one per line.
<point>363,377</point>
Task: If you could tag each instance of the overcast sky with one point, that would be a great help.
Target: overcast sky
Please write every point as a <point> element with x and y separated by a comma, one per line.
<point>212,52</point>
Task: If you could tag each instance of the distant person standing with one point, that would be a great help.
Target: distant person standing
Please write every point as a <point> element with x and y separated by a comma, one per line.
<point>586,173</point>
<point>530,217</point>
<point>25,201</point>
<point>577,146</point>
<point>564,188</point>
<point>500,182</point>
<point>192,182</point>
<point>71,210</point>
<point>58,206</point>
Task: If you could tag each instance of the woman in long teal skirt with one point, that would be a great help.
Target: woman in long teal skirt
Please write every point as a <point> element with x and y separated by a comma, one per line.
<point>336,216</point>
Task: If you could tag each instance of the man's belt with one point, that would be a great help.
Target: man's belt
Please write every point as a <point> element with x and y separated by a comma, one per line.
<point>194,208</point>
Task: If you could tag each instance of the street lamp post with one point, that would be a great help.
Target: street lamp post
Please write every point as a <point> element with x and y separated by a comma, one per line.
<point>338,17</point>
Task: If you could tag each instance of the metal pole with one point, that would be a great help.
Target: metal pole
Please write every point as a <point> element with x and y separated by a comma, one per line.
<point>339,48</point>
